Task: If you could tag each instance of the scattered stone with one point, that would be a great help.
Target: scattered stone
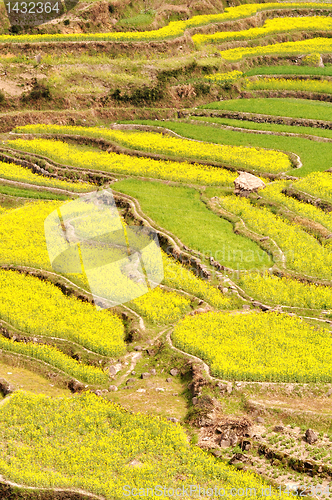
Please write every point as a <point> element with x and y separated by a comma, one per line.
<point>224,290</point>
<point>310,436</point>
<point>131,381</point>
<point>133,372</point>
<point>320,62</point>
<point>141,390</point>
<point>217,453</point>
<point>224,443</point>
<point>172,419</point>
<point>137,348</point>
<point>104,391</point>
<point>261,306</point>
<point>153,371</point>
<point>112,388</point>
<point>5,387</point>
<point>145,375</point>
<point>194,401</point>
<point>168,379</point>
<point>260,420</point>
<point>246,307</point>
<point>175,394</point>
<point>151,352</point>
<point>112,371</point>
<point>75,386</point>
<point>245,445</point>
<point>135,463</point>
<point>229,388</point>
<point>329,393</point>
<point>200,302</point>
<point>98,392</point>
<point>279,428</point>
<point>174,372</point>
<point>160,389</point>
<point>238,458</point>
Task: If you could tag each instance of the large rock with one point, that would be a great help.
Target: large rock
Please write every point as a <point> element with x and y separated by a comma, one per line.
<point>246,183</point>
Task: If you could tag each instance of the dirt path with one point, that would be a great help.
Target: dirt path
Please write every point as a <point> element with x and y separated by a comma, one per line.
<point>53,489</point>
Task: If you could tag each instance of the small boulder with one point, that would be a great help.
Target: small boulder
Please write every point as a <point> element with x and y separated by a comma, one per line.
<point>260,420</point>
<point>137,348</point>
<point>153,371</point>
<point>145,375</point>
<point>112,388</point>
<point>131,381</point>
<point>112,371</point>
<point>224,443</point>
<point>279,428</point>
<point>168,379</point>
<point>174,372</point>
<point>310,436</point>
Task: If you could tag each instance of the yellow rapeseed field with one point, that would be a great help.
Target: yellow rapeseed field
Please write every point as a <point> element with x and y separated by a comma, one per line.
<point>321,45</point>
<point>22,174</point>
<point>85,442</point>
<point>119,163</point>
<point>286,291</point>
<point>273,192</point>
<point>257,346</point>
<point>161,306</point>
<point>172,30</point>
<point>56,358</point>
<point>321,86</point>
<point>40,308</point>
<point>177,276</point>
<point>238,156</point>
<point>270,27</point>
<point>317,184</point>
<point>302,251</point>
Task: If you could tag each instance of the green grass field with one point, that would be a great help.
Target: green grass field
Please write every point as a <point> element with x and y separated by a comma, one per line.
<point>30,193</point>
<point>273,127</point>
<point>290,70</point>
<point>294,108</point>
<point>180,211</point>
<point>314,156</point>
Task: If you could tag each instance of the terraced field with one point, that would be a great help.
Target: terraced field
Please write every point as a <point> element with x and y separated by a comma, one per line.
<point>165,251</point>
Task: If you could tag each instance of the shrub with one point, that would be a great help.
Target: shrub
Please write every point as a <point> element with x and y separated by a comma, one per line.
<point>39,90</point>
<point>311,60</point>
